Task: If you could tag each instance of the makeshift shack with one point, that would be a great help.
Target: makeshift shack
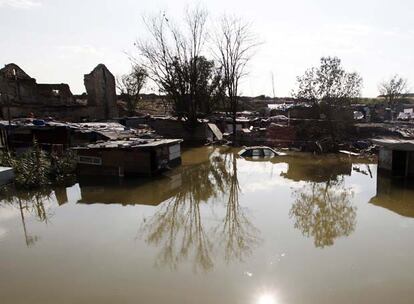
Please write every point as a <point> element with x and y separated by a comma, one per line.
<point>396,157</point>
<point>21,133</point>
<point>394,195</point>
<point>6,175</point>
<point>134,157</point>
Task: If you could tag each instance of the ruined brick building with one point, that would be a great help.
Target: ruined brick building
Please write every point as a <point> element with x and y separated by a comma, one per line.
<point>22,96</point>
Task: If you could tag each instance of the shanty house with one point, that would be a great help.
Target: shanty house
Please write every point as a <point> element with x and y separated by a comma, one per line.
<point>396,156</point>
<point>135,157</point>
<point>21,134</point>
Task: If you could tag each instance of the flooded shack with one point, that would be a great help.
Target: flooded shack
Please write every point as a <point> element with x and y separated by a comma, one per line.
<point>50,135</point>
<point>21,134</point>
<point>395,195</point>
<point>396,157</point>
<point>135,157</point>
<point>6,175</point>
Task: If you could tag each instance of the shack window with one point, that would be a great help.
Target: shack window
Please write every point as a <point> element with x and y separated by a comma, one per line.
<point>89,160</point>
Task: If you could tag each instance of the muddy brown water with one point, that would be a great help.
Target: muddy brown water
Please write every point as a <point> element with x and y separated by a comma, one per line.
<point>218,229</point>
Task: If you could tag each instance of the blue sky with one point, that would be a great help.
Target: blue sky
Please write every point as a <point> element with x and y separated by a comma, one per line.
<point>58,41</point>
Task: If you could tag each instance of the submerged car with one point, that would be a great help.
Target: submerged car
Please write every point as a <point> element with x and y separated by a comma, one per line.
<point>260,152</point>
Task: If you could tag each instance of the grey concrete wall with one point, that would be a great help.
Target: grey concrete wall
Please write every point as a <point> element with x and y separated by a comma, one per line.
<point>385,159</point>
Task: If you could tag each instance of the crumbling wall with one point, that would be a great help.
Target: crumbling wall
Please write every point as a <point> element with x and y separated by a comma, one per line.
<point>385,159</point>
<point>100,87</point>
<point>21,91</point>
<point>21,96</point>
<point>70,113</point>
<point>55,94</point>
<point>16,85</point>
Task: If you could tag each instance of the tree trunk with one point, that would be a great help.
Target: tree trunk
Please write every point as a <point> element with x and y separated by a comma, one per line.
<point>234,114</point>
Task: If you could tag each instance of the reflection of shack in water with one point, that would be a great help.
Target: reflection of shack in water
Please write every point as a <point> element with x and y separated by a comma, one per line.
<point>394,195</point>
<point>154,191</point>
<point>130,192</point>
<point>317,169</point>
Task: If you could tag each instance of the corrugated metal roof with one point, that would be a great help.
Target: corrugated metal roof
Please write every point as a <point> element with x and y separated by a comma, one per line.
<point>395,144</point>
<point>132,143</point>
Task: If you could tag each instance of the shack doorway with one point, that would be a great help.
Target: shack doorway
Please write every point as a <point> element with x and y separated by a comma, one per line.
<point>399,163</point>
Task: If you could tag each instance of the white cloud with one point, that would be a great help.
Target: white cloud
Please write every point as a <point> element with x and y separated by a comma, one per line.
<point>20,4</point>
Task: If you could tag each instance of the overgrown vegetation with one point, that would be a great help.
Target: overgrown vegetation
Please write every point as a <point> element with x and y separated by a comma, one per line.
<point>130,86</point>
<point>36,168</point>
<point>393,89</point>
<point>330,88</point>
<point>328,84</point>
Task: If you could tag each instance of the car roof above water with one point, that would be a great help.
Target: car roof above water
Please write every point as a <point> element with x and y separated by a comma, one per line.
<point>245,149</point>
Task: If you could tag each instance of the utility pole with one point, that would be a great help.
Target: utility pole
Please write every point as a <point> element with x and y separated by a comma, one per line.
<point>8,109</point>
<point>273,85</point>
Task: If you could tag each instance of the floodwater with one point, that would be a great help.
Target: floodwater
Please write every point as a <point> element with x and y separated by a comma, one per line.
<point>218,229</point>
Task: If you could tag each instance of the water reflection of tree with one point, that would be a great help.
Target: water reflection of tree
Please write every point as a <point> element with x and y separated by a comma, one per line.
<point>324,211</point>
<point>178,228</point>
<point>238,234</point>
<point>175,220</point>
<point>28,203</point>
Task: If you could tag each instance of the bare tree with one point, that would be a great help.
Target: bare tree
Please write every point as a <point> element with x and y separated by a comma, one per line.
<point>130,86</point>
<point>393,89</point>
<point>174,60</point>
<point>234,44</point>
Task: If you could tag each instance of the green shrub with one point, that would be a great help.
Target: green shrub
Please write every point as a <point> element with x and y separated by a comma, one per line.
<point>36,168</point>
<point>63,166</point>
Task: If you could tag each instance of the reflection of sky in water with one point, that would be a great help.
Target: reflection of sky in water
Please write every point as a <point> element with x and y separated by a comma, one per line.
<point>74,193</point>
<point>3,232</point>
<point>267,298</point>
<point>7,213</point>
<point>259,244</point>
<point>264,177</point>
